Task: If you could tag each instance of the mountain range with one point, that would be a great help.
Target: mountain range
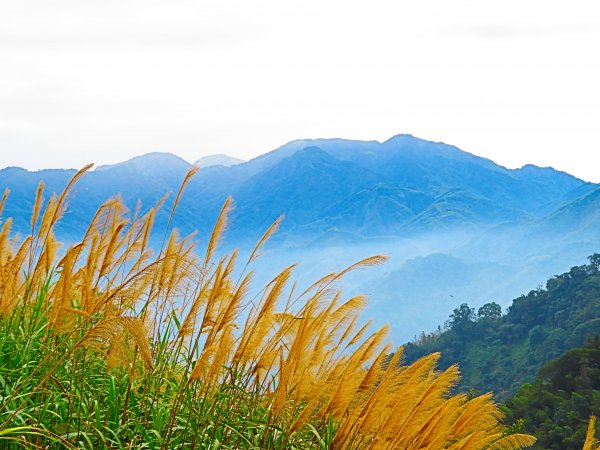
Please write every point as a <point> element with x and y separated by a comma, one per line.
<point>437,210</point>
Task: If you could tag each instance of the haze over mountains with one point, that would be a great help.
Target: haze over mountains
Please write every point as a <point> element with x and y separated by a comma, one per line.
<point>459,228</point>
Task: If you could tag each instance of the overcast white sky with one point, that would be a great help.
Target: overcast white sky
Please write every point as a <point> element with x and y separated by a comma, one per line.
<point>517,81</point>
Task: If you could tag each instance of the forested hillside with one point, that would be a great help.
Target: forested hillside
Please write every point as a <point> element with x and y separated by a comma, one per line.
<point>556,407</point>
<point>501,352</point>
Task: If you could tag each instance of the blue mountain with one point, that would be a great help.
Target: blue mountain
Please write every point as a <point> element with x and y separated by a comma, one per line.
<point>452,221</point>
<point>402,186</point>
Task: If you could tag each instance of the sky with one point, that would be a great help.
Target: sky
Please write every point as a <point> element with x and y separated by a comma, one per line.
<point>517,81</point>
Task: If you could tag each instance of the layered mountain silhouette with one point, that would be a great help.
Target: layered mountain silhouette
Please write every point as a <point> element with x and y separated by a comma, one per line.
<point>218,160</point>
<point>365,195</point>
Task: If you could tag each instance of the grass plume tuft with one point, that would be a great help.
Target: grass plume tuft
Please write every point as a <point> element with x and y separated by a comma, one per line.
<point>112,347</point>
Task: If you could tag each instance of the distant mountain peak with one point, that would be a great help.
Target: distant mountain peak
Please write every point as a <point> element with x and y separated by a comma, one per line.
<point>150,162</point>
<point>218,160</point>
<point>14,169</point>
<point>403,136</point>
<point>533,169</point>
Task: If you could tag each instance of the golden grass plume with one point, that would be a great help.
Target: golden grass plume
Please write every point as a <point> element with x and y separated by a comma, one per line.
<point>303,356</point>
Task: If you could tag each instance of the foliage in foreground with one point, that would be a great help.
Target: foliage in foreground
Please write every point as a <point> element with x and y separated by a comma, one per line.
<point>591,443</point>
<point>116,348</point>
<point>500,353</point>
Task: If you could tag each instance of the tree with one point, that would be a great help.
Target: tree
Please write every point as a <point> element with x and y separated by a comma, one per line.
<point>461,318</point>
<point>489,311</point>
<point>594,265</point>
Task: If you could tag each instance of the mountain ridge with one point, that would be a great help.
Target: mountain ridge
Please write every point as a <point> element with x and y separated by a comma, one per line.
<point>405,197</point>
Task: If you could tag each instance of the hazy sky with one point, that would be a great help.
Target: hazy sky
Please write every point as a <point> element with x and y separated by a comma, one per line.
<point>517,81</point>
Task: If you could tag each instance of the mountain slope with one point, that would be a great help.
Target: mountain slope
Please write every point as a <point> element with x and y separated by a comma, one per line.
<point>502,354</point>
